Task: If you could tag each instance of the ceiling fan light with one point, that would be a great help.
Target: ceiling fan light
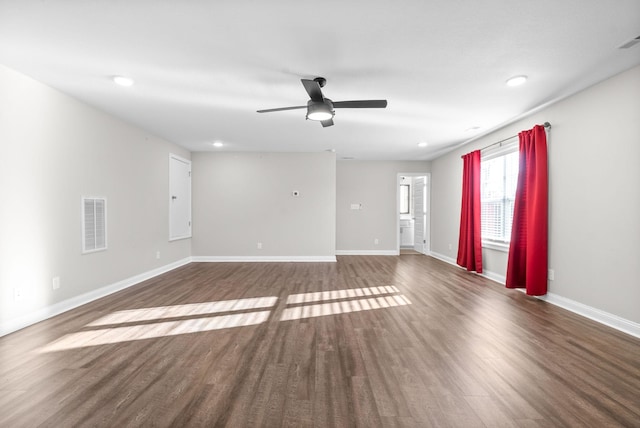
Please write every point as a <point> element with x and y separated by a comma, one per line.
<point>319,116</point>
<point>319,111</point>
<point>122,80</point>
<point>516,80</point>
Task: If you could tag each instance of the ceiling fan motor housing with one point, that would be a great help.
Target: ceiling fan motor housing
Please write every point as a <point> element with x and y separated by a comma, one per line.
<point>321,81</point>
<point>320,110</point>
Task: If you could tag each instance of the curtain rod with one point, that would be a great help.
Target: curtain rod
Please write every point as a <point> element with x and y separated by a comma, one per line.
<point>546,125</point>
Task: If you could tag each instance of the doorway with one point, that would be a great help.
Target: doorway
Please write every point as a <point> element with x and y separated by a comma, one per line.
<point>413,213</point>
<point>179,197</point>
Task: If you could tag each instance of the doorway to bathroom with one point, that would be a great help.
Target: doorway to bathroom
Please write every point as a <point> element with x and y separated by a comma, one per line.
<point>413,213</point>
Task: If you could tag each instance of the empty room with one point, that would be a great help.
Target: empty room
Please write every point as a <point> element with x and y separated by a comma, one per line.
<point>337,214</point>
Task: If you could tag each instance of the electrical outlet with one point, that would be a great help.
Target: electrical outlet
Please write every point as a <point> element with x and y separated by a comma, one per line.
<point>17,294</point>
<point>259,245</point>
<point>450,247</point>
<point>158,255</point>
<point>376,241</point>
<point>552,275</point>
<point>55,282</point>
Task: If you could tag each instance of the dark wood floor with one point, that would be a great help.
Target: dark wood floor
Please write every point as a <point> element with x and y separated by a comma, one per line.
<point>369,341</point>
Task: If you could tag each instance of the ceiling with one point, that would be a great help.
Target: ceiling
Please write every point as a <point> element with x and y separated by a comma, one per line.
<point>203,68</point>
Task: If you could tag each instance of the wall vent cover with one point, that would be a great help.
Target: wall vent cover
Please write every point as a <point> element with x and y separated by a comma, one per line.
<point>94,224</point>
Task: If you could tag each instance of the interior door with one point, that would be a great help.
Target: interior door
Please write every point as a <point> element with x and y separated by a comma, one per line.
<point>179,198</point>
<point>420,214</point>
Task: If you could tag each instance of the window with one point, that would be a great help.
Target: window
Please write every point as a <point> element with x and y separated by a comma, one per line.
<point>94,224</point>
<point>499,178</point>
<point>404,199</point>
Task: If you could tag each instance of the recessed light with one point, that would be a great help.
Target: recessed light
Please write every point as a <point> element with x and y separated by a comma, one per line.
<point>218,144</point>
<point>516,80</point>
<point>423,144</point>
<point>122,80</point>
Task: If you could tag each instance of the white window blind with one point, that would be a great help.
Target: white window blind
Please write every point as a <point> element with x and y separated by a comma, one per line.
<point>499,178</point>
<point>94,224</point>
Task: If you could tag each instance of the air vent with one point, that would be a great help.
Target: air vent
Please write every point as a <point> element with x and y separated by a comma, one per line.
<point>628,44</point>
<point>94,224</point>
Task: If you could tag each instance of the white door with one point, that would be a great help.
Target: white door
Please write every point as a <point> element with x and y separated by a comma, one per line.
<point>420,214</point>
<point>179,198</point>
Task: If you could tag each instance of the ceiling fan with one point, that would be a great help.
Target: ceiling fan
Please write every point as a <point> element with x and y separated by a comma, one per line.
<point>322,109</point>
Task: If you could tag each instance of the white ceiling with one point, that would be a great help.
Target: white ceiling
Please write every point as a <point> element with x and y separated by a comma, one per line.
<point>203,68</point>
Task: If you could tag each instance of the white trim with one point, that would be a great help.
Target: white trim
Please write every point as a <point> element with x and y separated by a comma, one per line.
<point>427,208</point>
<point>180,158</point>
<point>600,316</point>
<point>444,258</point>
<point>597,315</point>
<point>496,246</point>
<point>190,233</point>
<point>262,259</point>
<point>367,253</point>
<point>502,148</point>
<point>26,320</point>
<point>496,277</point>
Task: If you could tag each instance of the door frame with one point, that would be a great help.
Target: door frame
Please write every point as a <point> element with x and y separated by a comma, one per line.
<point>175,158</point>
<point>427,248</point>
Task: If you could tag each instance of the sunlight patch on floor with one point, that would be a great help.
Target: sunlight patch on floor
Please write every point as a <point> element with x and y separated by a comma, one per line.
<point>151,331</point>
<point>344,307</point>
<point>125,325</point>
<point>190,309</point>
<point>346,293</point>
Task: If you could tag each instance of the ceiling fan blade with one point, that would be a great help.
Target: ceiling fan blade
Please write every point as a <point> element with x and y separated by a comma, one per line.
<point>360,104</point>
<point>328,122</point>
<point>313,89</point>
<point>269,110</point>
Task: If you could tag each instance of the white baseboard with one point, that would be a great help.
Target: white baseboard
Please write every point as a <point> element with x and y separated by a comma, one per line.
<point>262,259</point>
<point>26,320</point>
<point>367,252</point>
<point>613,321</point>
<point>602,317</point>
<point>52,310</point>
<point>444,258</point>
<point>486,274</point>
<point>500,279</point>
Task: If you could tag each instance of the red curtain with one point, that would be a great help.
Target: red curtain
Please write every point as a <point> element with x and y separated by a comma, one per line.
<point>528,263</point>
<point>470,242</point>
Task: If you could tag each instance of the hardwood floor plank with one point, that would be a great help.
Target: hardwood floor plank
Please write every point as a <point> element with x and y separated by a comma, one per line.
<point>370,341</point>
<point>490,414</point>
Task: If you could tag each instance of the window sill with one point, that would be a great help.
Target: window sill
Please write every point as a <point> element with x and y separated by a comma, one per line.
<point>498,246</point>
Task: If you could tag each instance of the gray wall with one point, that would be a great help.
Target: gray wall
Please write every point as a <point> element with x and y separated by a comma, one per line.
<point>374,185</point>
<point>594,174</point>
<point>240,199</point>
<point>54,151</point>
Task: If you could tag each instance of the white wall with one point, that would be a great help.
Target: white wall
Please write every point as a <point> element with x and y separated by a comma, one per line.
<point>53,151</point>
<point>240,199</point>
<point>374,184</point>
<point>594,178</point>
